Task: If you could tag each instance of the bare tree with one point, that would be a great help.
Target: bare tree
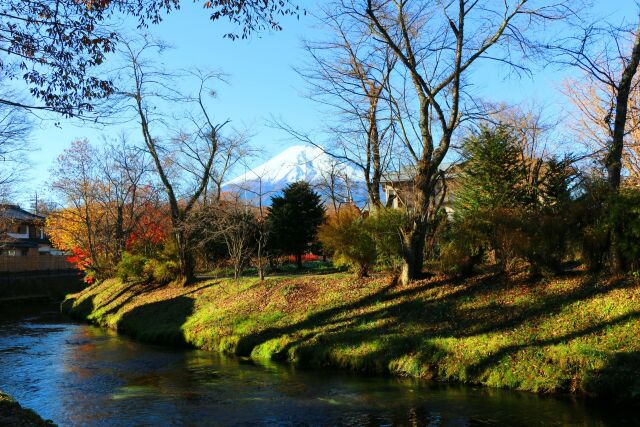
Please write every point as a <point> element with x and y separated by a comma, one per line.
<point>232,222</point>
<point>231,151</point>
<point>184,161</point>
<point>437,44</point>
<point>15,127</point>
<point>609,56</point>
<point>125,188</point>
<point>335,186</point>
<point>348,73</point>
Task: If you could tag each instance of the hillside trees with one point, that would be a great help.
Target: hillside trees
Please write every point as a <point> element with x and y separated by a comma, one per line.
<point>293,220</point>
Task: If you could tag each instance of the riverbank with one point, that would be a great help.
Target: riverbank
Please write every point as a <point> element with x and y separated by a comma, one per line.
<point>12,414</point>
<point>576,334</point>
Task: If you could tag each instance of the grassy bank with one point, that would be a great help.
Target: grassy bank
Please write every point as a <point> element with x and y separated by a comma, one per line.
<point>573,334</point>
<point>12,414</point>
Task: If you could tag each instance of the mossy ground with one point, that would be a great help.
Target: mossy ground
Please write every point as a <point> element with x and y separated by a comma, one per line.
<point>12,414</point>
<point>576,333</point>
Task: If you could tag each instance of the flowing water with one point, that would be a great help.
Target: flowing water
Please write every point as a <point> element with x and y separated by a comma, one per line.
<point>77,374</point>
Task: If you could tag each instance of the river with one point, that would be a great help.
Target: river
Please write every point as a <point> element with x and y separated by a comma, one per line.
<point>76,374</point>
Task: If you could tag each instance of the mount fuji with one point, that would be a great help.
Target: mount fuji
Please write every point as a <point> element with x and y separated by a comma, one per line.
<point>296,163</point>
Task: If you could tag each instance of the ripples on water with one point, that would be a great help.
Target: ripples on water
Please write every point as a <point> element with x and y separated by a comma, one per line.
<point>77,374</point>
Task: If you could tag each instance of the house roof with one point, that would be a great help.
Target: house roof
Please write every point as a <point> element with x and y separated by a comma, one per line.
<point>408,173</point>
<point>15,212</point>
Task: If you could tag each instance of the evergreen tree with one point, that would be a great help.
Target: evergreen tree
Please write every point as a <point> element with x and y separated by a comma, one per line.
<point>492,174</point>
<point>294,218</point>
<point>512,201</point>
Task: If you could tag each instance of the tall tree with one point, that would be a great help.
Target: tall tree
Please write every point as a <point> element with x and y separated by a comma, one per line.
<point>492,174</point>
<point>15,128</point>
<point>294,219</point>
<point>437,44</point>
<point>185,161</point>
<point>609,55</point>
<point>348,75</point>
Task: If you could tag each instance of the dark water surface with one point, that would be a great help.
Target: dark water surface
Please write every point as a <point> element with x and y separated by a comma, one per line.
<point>77,374</point>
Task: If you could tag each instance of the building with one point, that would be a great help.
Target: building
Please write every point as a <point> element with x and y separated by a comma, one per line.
<point>399,190</point>
<point>24,246</point>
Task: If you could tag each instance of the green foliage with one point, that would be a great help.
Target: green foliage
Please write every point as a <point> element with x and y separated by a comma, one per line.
<point>161,271</point>
<point>517,206</point>
<point>460,249</point>
<point>599,212</point>
<point>625,213</point>
<point>131,267</point>
<point>384,225</point>
<point>294,219</point>
<point>492,174</point>
<point>346,235</point>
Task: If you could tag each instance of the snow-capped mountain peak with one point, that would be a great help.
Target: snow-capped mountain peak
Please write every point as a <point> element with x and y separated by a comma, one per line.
<point>296,163</point>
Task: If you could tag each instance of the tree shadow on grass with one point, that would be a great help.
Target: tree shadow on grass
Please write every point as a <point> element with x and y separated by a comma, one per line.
<point>408,319</point>
<point>343,313</point>
<point>158,322</point>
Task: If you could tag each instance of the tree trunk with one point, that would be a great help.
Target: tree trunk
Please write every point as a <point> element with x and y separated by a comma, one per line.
<point>120,237</point>
<point>363,271</point>
<point>299,261</point>
<point>614,157</point>
<point>185,258</point>
<point>413,241</point>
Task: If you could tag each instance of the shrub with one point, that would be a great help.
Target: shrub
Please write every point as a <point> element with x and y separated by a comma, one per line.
<point>624,213</point>
<point>162,272</point>
<point>384,226</point>
<point>346,236</point>
<point>460,249</point>
<point>131,267</point>
<point>599,213</point>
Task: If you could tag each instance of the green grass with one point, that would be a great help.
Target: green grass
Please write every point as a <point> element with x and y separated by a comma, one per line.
<point>12,414</point>
<point>575,334</point>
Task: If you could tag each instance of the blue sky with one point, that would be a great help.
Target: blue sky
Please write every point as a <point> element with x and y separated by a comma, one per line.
<point>264,84</point>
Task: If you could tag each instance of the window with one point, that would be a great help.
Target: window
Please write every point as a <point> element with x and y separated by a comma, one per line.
<point>12,252</point>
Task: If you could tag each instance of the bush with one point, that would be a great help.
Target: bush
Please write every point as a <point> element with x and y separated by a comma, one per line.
<point>384,226</point>
<point>162,272</point>
<point>346,236</point>
<point>460,249</point>
<point>624,213</point>
<point>600,212</point>
<point>131,267</point>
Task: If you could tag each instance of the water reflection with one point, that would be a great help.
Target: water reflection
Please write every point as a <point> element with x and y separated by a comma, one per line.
<point>81,375</point>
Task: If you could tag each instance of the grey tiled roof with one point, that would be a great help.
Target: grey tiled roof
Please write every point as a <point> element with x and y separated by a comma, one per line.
<point>17,213</point>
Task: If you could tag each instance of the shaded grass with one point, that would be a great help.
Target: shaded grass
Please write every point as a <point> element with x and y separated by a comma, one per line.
<point>575,333</point>
<point>12,414</point>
